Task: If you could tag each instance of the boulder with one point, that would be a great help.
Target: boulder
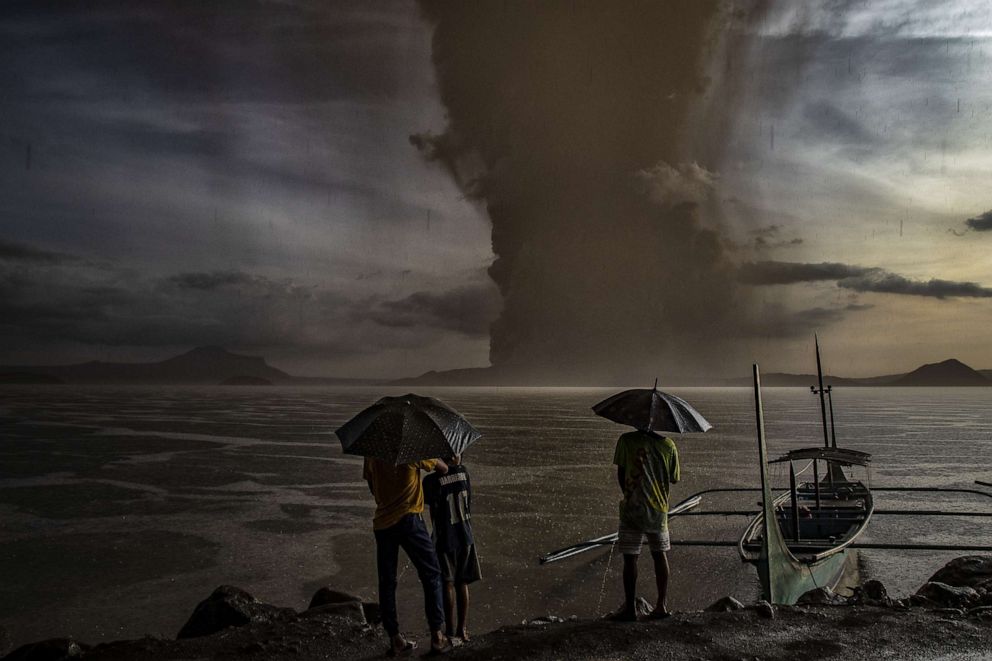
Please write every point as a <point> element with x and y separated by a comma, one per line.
<point>725,605</point>
<point>967,571</point>
<point>947,596</point>
<point>980,612</point>
<point>326,595</point>
<point>54,649</point>
<point>764,609</point>
<point>821,597</point>
<point>871,593</point>
<point>229,606</point>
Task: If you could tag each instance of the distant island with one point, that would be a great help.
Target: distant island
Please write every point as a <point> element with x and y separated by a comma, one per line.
<point>949,373</point>
<point>218,366</point>
<point>200,366</point>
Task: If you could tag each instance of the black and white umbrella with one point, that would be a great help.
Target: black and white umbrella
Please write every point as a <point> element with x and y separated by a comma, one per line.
<point>652,410</point>
<point>407,429</point>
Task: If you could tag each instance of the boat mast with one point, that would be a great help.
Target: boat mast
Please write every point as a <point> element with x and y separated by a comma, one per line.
<point>823,403</point>
<point>833,427</point>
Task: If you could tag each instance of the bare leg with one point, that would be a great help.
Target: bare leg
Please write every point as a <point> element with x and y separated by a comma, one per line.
<point>449,608</point>
<point>630,585</point>
<point>462,593</point>
<point>661,573</point>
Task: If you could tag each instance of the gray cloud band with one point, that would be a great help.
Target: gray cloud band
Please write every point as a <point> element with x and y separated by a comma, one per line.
<point>857,278</point>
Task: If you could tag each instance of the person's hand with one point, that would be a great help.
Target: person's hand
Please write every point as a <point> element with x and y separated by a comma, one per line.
<point>441,467</point>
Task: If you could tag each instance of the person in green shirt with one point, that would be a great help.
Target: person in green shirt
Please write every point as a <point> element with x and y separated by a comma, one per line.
<point>647,465</point>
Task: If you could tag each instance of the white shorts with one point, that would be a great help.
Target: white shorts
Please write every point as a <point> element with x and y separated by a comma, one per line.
<point>629,542</point>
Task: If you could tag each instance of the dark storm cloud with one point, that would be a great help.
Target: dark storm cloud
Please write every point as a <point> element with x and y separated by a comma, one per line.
<point>857,278</point>
<point>783,273</point>
<point>469,310</point>
<point>209,280</point>
<point>192,49</point>
<point>102,306</point>
<point>890,283</point>
<point>981,222</point>
<point>770,236</point>
<point>11,251</point>
<point>565,121</point>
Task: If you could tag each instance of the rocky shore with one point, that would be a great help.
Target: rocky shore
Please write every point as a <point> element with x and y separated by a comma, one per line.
<point>950,617</point>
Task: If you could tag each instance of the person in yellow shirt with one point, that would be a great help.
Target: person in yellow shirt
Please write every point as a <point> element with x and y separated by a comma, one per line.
<point>398,523</point>
<point>647,466</point>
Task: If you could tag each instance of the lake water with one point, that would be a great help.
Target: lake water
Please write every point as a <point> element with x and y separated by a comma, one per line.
<point>121,508</point>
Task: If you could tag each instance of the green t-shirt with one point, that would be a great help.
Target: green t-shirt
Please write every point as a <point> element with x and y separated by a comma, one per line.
<point>651,466</point>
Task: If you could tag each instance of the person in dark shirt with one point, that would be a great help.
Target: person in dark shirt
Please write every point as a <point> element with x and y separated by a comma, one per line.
<point>449,498</point>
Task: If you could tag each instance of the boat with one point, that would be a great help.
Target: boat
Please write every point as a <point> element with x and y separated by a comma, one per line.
<point>800,539</point>
<point>806,536</point>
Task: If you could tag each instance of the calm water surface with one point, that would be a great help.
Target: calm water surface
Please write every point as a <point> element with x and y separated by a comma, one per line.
<point>121,508</point>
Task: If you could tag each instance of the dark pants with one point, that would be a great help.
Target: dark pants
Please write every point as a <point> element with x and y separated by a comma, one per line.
<point>411,535</point>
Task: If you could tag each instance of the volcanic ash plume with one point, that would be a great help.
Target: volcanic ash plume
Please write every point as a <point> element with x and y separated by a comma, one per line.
<point>566,120</point>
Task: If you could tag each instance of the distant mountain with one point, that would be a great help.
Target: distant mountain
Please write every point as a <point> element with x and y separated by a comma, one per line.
<point>950,372</point>
<point>203,365</point>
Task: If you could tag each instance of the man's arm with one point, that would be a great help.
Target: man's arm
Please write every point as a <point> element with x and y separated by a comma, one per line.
<point>621,478</point>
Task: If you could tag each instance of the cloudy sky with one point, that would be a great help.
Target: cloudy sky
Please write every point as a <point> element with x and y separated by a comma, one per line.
<point>244,175</point>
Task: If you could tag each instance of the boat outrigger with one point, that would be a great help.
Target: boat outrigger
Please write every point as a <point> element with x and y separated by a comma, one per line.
<point>801,538</point>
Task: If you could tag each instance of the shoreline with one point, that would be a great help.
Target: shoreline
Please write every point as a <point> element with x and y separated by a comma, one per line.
<point>948,617</point>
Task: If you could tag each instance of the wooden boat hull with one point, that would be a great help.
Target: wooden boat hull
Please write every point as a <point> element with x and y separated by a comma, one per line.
<point>792,579</point>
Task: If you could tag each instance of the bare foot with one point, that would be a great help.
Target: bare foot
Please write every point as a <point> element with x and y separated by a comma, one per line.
<point>440,644</point>
<point>401,646</point>
<point>622,615</point>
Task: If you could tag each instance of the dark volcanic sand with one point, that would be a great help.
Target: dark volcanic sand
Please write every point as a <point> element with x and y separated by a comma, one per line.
<point>809,633</point>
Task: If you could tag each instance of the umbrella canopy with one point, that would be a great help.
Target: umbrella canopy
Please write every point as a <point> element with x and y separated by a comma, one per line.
<point>403,430</point>
<point>652,410</point>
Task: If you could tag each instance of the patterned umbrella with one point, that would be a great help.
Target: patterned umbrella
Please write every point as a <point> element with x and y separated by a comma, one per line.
<point>652,410</point>
<point>403,430</point>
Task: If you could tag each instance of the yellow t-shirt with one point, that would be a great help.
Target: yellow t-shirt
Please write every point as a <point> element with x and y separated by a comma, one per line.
<point>397,489</point>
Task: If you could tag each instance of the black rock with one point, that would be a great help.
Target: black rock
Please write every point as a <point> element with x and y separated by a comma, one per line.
<point>229,606</point>
<point>4,641</point>
<point>948,596</point>
<point>724,605</point>
<point>967,571</point>
<point>54,649</point>
<point>873,591</point>
<point>326,595</point>
<point>764,609</point>
<point>821,597</point>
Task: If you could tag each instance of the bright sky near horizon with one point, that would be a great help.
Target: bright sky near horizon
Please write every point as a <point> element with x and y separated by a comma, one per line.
<point>243,175</point>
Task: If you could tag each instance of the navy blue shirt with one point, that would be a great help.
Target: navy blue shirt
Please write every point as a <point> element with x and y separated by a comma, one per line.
<point>449,498</point>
